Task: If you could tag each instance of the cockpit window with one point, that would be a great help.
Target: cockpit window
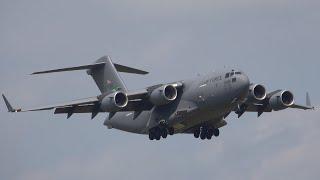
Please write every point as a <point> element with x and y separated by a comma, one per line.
<point>238,72</point>
<point>227,75</point>
<point>231,74</point>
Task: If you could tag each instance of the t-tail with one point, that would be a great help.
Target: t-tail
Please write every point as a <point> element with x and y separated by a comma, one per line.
<point>105,74</point>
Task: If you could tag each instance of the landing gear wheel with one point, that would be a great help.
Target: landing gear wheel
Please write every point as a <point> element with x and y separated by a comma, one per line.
<point>209,133</point>
<point>203,134</point>
<point>209,137</point>
<point>216,132</point>
<point>171,131</point>
<point>196,133</point>
<point>164,133</point>
<point>157,134</point>
<point>151,136</point>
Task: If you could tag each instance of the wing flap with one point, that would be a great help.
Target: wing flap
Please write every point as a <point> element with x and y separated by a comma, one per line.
<point>257,108</point>
<point>75,109</point>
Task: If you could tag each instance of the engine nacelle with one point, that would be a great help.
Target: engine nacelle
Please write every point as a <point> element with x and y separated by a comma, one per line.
<point>163,95</point>
<point>257,92</point>
<point>114,102</point>
<point>281,100</point>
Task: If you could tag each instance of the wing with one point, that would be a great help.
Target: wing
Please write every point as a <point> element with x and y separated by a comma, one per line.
<point>138,102</point>
<point>263,106</point>
<point>83,102</point>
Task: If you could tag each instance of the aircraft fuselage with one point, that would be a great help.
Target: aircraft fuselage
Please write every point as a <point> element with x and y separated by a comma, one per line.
<point>205,99</point>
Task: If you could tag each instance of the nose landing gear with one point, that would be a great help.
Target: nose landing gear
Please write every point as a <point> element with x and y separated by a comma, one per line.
<point>205,132</point>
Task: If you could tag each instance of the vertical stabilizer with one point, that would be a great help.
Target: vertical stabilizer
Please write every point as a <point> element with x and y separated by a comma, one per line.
<point>107,77</point>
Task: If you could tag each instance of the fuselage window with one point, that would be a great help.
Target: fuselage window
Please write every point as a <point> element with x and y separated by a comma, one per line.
<point>227,75</point>
<point>238,72</point>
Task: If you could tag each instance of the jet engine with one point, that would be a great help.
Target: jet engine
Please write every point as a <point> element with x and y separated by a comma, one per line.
<point>163,95</point>
<point>114,102</point>
<point>257,92</point>
<point>281,100</point>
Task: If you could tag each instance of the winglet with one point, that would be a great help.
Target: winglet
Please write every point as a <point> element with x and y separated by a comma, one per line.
<point>10,109</point>
<point>308,101</point>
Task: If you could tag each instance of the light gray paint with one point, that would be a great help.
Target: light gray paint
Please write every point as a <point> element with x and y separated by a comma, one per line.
<point>275,42</point>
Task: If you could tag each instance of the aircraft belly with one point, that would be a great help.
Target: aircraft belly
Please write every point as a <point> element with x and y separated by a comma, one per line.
<point>199,117</point>
<point>125,121</point>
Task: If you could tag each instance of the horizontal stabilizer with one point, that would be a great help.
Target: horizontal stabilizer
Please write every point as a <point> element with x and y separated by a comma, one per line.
<point>126,69</point>
<point>84,67</point>
<point>118,67</point>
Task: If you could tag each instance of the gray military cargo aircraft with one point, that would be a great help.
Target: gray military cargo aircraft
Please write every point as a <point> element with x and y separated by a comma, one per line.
<point>196,106</point>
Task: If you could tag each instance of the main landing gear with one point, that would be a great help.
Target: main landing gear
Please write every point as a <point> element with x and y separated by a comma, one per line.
<point>205,132</point>
<point>160,131</point>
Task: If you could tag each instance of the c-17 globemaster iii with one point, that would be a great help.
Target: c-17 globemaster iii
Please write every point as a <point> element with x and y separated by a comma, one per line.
<point>196,106</point>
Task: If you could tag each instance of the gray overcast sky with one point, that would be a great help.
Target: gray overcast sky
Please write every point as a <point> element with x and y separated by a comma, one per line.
<point>276,42</point>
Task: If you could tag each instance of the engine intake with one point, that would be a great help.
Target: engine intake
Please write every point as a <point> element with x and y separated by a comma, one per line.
<point>163,95</point>
<point>257,92</point>
<point>114,102</point>
<point>281,100</point>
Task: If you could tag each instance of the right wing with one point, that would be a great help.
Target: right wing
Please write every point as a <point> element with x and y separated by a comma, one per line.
<point>79,102</point>
<point>86,105</point>
<point>263,106</point>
